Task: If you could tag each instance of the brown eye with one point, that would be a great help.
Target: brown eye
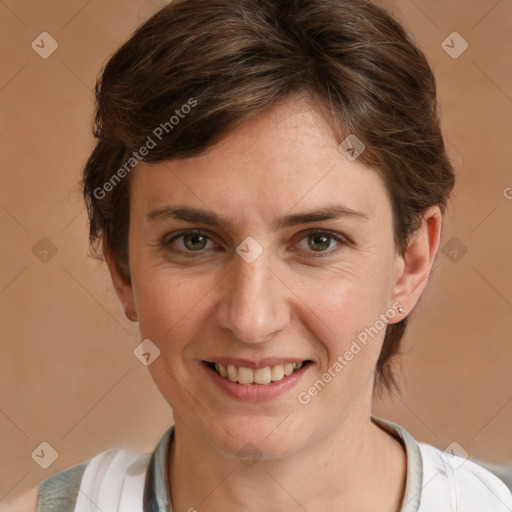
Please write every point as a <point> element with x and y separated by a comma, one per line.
<point>194,241</point>
<point>319,242</point>
<point>188,242</point>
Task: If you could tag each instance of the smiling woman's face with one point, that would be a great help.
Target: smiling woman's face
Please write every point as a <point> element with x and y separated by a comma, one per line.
<point>265,289</point>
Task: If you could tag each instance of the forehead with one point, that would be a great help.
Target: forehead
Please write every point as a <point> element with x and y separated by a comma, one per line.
<point>284,156</point>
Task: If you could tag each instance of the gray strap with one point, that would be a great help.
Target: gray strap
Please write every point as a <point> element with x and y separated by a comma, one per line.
<point>157,497</point>
<point>58,492</point>
<point>414,479</point>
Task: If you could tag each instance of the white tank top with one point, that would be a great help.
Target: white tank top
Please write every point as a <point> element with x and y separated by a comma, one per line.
<point>113,481</point>
<point>118,480</point>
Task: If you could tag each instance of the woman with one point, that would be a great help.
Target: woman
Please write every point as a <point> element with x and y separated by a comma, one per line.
<point>268,189</point>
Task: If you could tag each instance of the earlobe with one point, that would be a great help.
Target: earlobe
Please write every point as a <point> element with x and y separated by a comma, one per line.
<point>129,310</point>
<point>122,285</point>
<point>413,268</point>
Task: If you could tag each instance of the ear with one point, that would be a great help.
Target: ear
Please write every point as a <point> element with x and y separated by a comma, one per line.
<point>412,269</point>
<point>122,284</point>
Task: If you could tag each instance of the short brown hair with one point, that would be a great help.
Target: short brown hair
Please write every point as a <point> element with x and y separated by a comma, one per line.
<point>236,58</point>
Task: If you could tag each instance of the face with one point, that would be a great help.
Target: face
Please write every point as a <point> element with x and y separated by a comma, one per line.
<point>229,265</point>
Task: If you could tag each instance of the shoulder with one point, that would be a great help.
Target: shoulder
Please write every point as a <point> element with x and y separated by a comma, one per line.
<point>25,503</point>
<point>461,483</point>
<point>503,472</point>
<point>117,473</point>
<point>57,492</point>
<point>60,491</point>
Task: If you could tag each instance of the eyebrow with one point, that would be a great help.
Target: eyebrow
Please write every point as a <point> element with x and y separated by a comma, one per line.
<point>189,214</point>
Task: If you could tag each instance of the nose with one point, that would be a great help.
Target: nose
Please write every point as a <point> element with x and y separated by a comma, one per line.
<point>253,305</point>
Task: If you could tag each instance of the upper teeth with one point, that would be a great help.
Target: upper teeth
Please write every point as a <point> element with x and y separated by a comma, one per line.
<point>265,375</point>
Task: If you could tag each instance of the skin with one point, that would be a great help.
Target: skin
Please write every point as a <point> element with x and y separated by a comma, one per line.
<point>286,303</point>
<point>24,503</point>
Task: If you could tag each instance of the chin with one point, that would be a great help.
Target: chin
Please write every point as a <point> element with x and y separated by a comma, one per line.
<point>257,437</point>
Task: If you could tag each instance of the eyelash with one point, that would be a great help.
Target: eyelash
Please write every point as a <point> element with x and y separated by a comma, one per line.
<point>319,254</point>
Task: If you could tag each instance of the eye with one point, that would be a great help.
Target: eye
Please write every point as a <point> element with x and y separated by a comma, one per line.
<point>319,241</point>
<point>190,241</point>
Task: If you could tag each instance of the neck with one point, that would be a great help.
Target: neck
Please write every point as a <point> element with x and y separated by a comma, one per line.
<point>336,472</point>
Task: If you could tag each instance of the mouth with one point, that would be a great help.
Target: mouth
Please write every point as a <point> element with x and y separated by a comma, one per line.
<point>256,376</point>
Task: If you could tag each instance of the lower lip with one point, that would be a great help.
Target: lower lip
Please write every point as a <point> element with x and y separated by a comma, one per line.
<point>256,392</point>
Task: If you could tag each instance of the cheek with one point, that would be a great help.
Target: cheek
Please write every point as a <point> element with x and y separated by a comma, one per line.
<point>357,288</point>
<point>346,305</point>
<point>344,320</point>
<point>170,309</point>
<point>170,304</point>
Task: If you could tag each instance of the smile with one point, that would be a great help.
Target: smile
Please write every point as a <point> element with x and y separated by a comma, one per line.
<point>252,381</point>
<point>262,376</point>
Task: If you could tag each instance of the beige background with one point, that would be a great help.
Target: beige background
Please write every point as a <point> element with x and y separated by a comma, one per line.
<point>68,373</point>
